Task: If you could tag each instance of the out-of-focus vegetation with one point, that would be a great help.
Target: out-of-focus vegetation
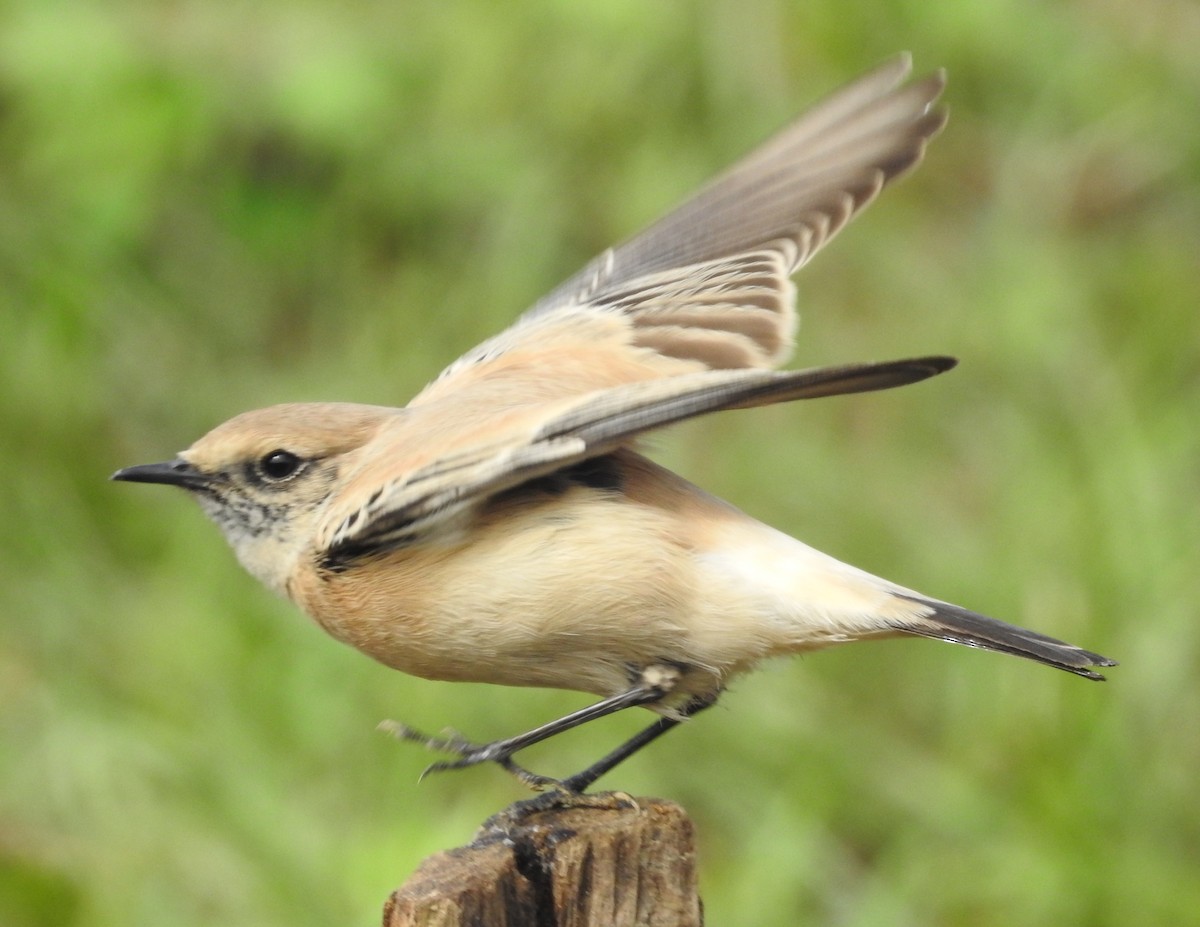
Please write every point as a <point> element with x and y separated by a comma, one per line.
<point>211,207</point>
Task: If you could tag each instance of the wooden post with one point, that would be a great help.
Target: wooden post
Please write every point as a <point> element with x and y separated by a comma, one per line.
<point>562,861</point>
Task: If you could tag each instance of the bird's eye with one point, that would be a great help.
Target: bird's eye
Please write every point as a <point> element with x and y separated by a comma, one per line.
<point>279,465</point>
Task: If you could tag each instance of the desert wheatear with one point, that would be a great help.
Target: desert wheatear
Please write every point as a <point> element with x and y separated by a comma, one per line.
<point>502,527</point>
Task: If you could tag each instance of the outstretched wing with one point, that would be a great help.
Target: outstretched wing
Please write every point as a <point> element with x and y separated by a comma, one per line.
<point>709,283</point>
<point>414,506</point>
<point>659,329</point>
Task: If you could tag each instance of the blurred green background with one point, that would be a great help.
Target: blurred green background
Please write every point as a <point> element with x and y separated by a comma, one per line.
<point>206,208</point>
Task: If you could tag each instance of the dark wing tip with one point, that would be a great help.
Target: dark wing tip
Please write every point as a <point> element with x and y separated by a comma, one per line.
<point>939,363</point>
<point>915,369</point>
<point>1096,660</point>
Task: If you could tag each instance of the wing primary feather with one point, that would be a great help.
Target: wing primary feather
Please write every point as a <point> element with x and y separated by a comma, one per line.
<point>857,140</point>
<point>709,284</point>
<point>618,415</point>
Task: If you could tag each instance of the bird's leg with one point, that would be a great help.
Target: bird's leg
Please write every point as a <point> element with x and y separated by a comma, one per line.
<point>583,780</point>
<point>652,684</point>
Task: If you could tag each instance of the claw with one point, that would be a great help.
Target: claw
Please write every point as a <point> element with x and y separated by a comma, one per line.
<point>470,754</point>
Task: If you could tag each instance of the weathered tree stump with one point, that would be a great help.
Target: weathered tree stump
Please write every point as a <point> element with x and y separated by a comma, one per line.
<point>562,861</point>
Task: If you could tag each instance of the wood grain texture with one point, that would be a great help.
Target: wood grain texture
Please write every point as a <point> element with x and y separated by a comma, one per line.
<point>562,861</point>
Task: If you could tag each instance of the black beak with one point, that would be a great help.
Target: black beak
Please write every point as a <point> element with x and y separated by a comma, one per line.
<point>176,472</point>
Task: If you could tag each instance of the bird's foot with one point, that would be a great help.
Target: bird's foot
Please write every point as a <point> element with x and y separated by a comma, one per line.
<point>649,684</point>
<point>471,754</point>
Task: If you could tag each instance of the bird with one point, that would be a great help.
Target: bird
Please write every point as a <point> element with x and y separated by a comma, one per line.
<point>505,525</point>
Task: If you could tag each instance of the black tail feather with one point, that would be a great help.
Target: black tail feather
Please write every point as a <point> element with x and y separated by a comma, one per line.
<point>960,626</point>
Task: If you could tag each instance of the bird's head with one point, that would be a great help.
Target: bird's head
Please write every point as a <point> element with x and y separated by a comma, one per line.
<point>264,477</point>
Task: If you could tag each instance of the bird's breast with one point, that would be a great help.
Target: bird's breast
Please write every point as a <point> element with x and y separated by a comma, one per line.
<point>567,588</point>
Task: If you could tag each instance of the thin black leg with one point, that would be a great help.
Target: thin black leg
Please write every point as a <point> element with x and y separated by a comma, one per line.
<point>653,684</point>
<point>582,781</point>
